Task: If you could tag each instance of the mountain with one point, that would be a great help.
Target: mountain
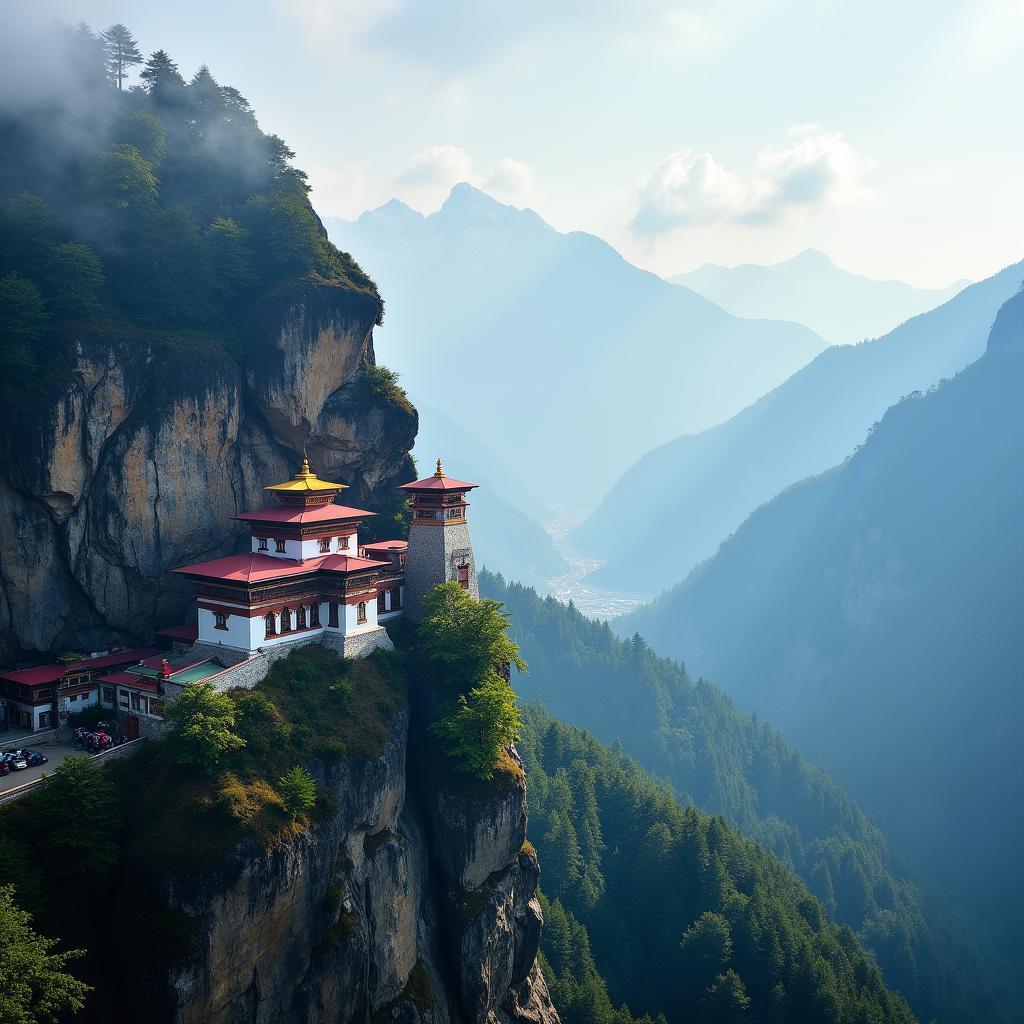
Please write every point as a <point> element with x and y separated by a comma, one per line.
<point>810,289</point>
<point>550,347</point>
<point>690,494</point>
<point>727,762</point>
<point>506,537</point>
<point>221,907</point>
<point>873,614</point>
<point>683,918</point>
<point>175,329</point>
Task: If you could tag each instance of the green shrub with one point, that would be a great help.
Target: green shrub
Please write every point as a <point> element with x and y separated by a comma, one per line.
<point>298,790</point>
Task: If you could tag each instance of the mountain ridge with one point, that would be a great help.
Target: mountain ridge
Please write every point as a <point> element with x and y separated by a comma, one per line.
<point>811,289</point>
<point>492,297</point>
<point>701,487</point>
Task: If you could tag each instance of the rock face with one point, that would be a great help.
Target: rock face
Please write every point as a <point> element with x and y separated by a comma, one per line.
<point>136,465</point>
<point>367,915</point>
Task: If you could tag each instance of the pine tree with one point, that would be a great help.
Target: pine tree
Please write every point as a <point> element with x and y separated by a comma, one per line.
<point>121,51</point>
<point>298,789</point>
<point>160,74</point>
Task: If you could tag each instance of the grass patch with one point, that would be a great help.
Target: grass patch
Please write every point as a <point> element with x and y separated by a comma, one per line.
<point>507,774</point>
<point>313,705</point>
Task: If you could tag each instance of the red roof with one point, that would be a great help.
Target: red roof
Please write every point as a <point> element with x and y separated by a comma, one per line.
<point>439,483</point>
<point>255,568</point>
<point>188,631</point>
<point>301,514</point>
<point>52,673</point>
<point>124,678</point>
<point>386,545</point>
<point>132,680</point>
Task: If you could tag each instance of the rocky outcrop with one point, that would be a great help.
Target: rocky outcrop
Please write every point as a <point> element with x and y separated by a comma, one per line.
<point>357,918</point>
<point>135,462</point>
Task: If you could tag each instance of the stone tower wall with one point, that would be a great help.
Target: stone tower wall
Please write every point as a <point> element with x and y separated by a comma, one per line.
<point>434,556</point>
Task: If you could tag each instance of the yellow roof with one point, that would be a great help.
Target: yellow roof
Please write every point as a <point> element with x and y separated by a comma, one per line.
<point>305,480</point>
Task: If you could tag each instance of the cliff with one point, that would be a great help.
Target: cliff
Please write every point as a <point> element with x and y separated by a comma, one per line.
<point>392,909</point>
<point>134,459</point>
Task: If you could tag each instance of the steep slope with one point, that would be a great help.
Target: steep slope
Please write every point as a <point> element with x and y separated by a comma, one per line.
<point>175,328</point>
<point>491,310</point>
<point>726,762</point>
<point>684,917</point>
<point>395,898</point>
<point>699,488</point>
<point>874,614</point>
<point>506,538</point>
<point>810,289</point>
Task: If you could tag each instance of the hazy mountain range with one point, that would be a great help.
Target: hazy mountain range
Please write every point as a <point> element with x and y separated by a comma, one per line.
<point>873,614</point>
<point>699,488</point>
<point>550,347</point>
<point>810,289</point>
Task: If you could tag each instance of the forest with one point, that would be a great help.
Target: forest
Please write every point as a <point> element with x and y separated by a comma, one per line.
<point>162,209</point>
<point>687,732</point>
<point>667,911</point>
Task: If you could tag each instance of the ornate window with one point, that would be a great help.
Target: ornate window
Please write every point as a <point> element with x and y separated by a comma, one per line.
<point>332,615</point>
<point>343,543</point>
<point>314,614</point>
<point>279,546</point>
<point>300,617</point>
<point>382,602</point>
<point>263,544</point>
<point>396,599</point>
<point>286,620</point>
<point>361,611</point>
<point>220,620</point>
<point>271,624</point>
<point>325,545</point>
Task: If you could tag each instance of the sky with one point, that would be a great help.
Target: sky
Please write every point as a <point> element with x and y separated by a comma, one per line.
<point>884,132</point>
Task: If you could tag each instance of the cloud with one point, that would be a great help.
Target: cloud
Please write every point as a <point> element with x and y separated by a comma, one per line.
<point>510,179</point>
<point>438,165</point>
<point>812,170</point>
<point>462,33</point>
<point>433,171</point>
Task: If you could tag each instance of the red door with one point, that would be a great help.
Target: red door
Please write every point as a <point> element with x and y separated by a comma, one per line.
<point>464,577</point>
<point>132,727</point>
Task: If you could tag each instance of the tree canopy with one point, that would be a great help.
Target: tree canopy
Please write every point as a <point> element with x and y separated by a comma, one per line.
<point>676,911</point>
<point>182,213</point>
<point>202,722</point>
<point>35,988</point>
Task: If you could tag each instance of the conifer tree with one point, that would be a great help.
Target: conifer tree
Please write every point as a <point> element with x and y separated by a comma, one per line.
<point>121,50</point>
<point>160,74</point>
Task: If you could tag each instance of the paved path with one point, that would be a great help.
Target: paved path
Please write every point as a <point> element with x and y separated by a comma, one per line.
<point>56,752</point>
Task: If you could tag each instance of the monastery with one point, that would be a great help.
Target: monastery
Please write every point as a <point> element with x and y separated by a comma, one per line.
<point>306,578</point>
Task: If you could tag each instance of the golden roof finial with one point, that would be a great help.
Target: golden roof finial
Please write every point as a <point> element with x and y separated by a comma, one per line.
<point>305,471</point>
<point>439,472</point>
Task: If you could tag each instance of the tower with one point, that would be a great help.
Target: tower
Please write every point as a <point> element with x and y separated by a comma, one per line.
<point>440,548</point>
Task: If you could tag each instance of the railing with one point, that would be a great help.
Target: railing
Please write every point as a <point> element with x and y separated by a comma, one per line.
<point>37,784</point>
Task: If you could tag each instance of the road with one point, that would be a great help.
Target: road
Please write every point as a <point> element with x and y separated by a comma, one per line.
<point>56,752</point>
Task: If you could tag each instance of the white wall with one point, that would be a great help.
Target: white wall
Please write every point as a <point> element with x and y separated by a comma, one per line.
<point>258,629</point>
<point>301,550</point>
<point>352,626</point>
<point>237,634</point>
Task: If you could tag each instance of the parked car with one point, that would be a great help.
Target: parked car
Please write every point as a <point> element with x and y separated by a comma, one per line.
<point>35,758</point>
<point>5,768</point>
<point>16,760</point>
